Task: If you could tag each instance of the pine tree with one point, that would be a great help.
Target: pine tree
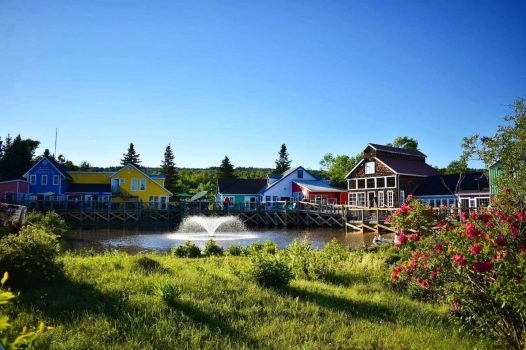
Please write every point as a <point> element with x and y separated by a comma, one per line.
<point>131,157</point>
<point>168,170</point>
<point>18,157</point>
<point>226,169</point>
<point>283,162</point>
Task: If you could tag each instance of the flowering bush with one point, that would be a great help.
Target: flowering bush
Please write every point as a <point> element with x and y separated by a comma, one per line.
<point>478,264</point>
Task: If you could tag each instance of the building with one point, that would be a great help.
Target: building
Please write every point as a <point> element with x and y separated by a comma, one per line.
<point>318,191</point>
<point>280,188</point>
<point>48,180</point>
<point>13,191</point>
<point>386,175</point>
<point>241,193</point>
<point>467,191</point>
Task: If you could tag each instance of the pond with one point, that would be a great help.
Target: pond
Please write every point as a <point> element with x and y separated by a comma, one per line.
<point>164,239</point>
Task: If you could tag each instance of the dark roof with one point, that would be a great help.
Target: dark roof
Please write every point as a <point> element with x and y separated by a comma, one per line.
<point>61,167</point>
<point>396,150</point>
<point>275,176</point>
<point>408,166</point>
<point>446,184</point>
<point>91,188</point>
<point>240,186</point>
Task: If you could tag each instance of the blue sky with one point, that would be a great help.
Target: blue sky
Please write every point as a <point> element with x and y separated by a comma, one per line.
<point>239,78</point>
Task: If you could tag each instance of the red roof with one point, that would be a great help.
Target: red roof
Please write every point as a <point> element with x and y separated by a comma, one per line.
<point>407,166</point>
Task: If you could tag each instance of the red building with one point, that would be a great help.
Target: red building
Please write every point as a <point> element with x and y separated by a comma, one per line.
<point>13,190</point>
<point>318,191</point>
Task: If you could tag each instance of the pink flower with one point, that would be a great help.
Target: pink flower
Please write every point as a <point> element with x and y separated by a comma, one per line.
<point>520,216</point>
<point>475,249</point>
<point>410,197</point>
<point>463,216</point>
<point>523,249</point>
<point>501,241</point>
<point>414,237</point>
<point>423,283</point>
<point>499,255</point>
<point>482,266</point>
<point>455,305</point>
<point>402,238</point>
<point>471,231</point>
<point>459,259</point>
<point>388,219</point>
<point>438,248</point>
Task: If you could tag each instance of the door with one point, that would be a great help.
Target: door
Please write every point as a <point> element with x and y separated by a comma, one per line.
<point>371,199</point>
<point>115,186</point>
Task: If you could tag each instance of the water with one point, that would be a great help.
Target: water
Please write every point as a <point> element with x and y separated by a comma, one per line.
<point>212,224</point>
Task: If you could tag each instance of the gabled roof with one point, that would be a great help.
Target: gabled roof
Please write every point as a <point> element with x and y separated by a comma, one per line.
<point>91,188</point>
<point>446,184</point>
<point>283,176</point>
<point>396,150</point>
<point>408,166</point>
<point>240,186</point>
<point>353,169</point>
<point>142,172</point>
<point>16,180</point>
<point>318,186</point>
<point>63,171</point>
<point>275,176</point>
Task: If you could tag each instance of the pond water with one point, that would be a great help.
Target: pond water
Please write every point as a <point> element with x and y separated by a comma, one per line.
<point>164,239</point>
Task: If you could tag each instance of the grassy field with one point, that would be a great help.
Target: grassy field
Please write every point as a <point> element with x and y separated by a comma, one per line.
<point>106,303</point>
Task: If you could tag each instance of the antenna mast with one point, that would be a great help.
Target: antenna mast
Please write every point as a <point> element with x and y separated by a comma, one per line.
<point>56,135</point>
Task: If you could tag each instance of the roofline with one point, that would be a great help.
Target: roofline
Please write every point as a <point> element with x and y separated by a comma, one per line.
<point>8,181</point>
<point>381,161</point>
<point>90,172</point>
<point>407,154</point>
<point>356,166</point>
<point>50,162</point>
<point>284,177</point>
<point>142,172</point>
<point>330,189</point>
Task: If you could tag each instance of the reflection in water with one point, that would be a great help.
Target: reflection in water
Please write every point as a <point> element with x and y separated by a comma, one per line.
<point>134,241</point>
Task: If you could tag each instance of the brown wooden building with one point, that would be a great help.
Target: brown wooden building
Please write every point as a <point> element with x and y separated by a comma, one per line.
<point>386,175</point>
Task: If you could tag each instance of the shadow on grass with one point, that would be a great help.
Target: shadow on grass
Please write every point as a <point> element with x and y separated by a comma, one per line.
<point>355,309</point>
<point>213,323</point>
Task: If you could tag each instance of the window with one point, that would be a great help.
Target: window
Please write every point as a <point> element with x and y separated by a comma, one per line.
<point>267,198</point>
<point>44,180</point>
<point>142,185</point>
<point>402,196</point>
<point>381,200</point>
<point>369,168</point>
<point>153,200</point>
<point>352,184</point>
<point>164,201</point>
<point>361,183</point>
<point>33,179</point>
<point>134,184</point>
<point>370,183</point>
<point>361,199</point>
<point>352,198</point>
<point>391,181</point>
<point>482,202</point>
<point>390,199</point>
<point>300,173</point>
<point>55,179</point>
<point>380,182</point>
<point>275,198</point>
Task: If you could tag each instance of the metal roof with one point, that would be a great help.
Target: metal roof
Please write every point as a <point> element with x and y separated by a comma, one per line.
<point>318,186</point>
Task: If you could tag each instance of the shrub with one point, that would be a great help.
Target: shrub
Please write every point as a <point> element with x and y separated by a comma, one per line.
<point>213,249</point>
<point>50,222</point>
<point>301,257</point>
<point>147,264</point>
<point>187,250</point>
<point>477,265</point>
<point>269,271</point>
<point>253,248</point>
<point>30,256</point>
<point>168,292</point>
<point>234,250</point>
<point>270,247</point>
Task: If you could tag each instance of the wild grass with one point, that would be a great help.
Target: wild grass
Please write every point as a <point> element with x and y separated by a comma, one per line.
<point>105,302</point>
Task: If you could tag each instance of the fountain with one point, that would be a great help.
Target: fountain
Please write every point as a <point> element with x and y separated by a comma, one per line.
<point>219,228</point>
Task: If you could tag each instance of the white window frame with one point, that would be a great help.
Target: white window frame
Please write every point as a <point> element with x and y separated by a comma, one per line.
<point>56,180</point>
<point>42,178</point>
<point>353,198</point>
<point>370,168</point>
<point>142,185</point>
<point>359,202</point>
<point>354,182</point>
<point>402,196</point>
<point>32,179</point>
<point>390,198</point>
<point>300,174</point>
<point>367,181</point>
<point>134,186</point>
<point>381,199</point>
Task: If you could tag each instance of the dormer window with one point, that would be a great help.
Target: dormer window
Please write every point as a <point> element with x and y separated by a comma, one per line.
<point>369,168</point>
<point>300,173</point>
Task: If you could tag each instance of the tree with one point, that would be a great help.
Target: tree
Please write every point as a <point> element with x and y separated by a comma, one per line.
<point>47,153</point>
<point>17,159</point>
<point>226,169</point>
<point>168,170</point>
<point>131,157</point>
<point>85,165</point>
<point>404,142</point>
<point>336,168</point>
<point>283,162</point>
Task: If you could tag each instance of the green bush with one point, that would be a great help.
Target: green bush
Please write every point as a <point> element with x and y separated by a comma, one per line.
<point>168,292</point>
<point>187,250</point>
<point>213,249</point>
<point>234,250</point>
<point>269,271</point>
<point>253,248</point>
<point>301,256</point>
<point>270,247</point>
<point>30,256</point>
<point>50,222</point>
<point>147,264</point>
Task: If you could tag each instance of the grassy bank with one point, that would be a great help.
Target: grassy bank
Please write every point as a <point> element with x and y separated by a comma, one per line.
<point>106,303</point>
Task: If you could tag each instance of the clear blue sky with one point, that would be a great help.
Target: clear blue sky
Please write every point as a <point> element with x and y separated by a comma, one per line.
<point>240,78</point>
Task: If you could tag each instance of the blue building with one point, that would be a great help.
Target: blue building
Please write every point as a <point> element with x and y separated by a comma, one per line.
<point>48,179</point>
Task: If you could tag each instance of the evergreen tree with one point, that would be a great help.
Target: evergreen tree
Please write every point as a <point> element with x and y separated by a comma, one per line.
<point>283,162</point>
<point>226,169</point>
<point>84,165</point>
<point>17,158</point>
<point>168,170</point>
<point>131,157</point>
<point>404,142</point>
<point>47,153</point>
<point>5,145</point>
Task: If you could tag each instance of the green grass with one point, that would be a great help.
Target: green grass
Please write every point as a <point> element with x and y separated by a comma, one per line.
<point>106,303</point>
